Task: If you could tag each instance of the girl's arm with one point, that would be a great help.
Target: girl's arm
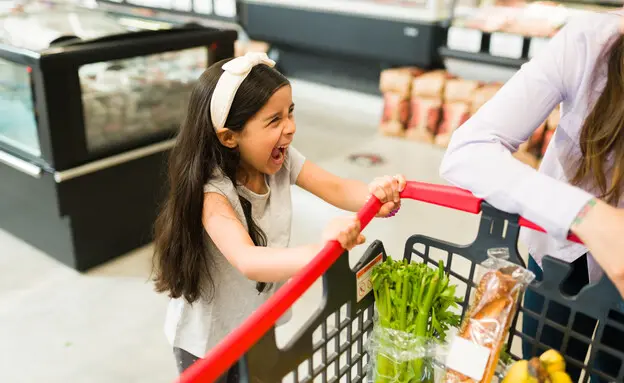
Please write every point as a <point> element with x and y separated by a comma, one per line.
<point>267,264</point>
<point>350,195</point>
<point>479,157</point>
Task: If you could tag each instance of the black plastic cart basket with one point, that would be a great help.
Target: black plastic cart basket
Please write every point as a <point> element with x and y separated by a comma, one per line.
<point>331,346</point>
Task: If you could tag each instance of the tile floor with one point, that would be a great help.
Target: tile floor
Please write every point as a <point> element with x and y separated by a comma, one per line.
<point>57,325</point>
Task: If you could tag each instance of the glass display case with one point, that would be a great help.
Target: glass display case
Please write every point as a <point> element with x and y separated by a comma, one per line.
<point>86,84</point>
<point>91,102</point>
<point>223,10</point>
<point>125,100</point>
<point>18,125</point>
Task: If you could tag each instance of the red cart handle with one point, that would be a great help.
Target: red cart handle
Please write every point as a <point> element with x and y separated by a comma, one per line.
<point>458,199</point>
<point>236,344</point>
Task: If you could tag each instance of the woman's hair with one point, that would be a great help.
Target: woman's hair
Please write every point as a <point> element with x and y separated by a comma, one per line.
<point>602,135</point>
<point>181,262</point>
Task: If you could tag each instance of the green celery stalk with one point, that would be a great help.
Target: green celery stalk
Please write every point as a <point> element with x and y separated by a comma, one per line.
<point>416,299</point>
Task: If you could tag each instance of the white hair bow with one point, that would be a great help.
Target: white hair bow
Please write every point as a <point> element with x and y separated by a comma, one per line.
<point>234,73</point>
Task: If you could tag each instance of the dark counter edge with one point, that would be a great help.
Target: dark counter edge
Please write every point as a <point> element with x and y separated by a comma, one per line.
<point>106,214</point>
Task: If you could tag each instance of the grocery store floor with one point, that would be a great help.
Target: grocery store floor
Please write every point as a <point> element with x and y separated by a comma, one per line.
<point>57,325</point>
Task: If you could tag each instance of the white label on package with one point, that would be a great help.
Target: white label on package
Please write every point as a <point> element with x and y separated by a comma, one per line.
<point>464,39</point>
<point>363,278</point>
<point>468,358</point>
<point>506,45</point>
<point>537,45</point>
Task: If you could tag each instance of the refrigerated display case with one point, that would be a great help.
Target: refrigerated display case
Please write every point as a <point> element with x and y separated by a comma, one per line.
<point>489,40</point>
<point>346,42</point>
<point>91,103</point>
<point>214,10</point>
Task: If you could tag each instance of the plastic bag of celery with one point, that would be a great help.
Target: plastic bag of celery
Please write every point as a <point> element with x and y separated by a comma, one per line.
<point>398,356</point>
<point>415,308</point>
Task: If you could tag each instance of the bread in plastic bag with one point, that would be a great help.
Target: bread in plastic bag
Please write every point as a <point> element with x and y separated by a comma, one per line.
<point>474,353</point>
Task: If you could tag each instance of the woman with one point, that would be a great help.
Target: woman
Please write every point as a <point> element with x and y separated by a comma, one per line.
<point>579,185</point>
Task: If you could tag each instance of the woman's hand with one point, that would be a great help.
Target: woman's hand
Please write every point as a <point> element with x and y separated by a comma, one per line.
<point>387,189</point>
<point>346,230</point>
<point>601,227</point>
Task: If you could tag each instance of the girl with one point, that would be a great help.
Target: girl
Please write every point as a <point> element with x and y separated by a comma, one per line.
<point>580,182</point>
<point>222,237</point>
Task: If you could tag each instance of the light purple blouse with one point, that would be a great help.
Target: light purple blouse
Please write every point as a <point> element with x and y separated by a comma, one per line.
<point>479,157</point>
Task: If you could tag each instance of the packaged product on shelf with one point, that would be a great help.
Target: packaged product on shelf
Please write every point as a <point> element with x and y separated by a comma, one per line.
<point>536,139</point>
<point>392,128</point>
<point>398,80</point>
<point>482,95</point>
<point>551,125</point>
<point>454,114</point>
<point>474,353</point>
<point>525,155</point>
<point>242,47</point>
<point>430,84</point>
<point>460,90</point>
<point>395,113</point>
<point>554,117</point>
<point>547,138</point>
<point>416,308</point>
<point>424,118</point>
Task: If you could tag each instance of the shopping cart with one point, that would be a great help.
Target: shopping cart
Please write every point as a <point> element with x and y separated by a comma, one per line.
<point>331,345</point>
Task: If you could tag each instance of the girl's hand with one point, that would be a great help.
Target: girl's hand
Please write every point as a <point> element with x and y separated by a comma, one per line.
<point>387,189</point>
<point>600,226</point>
<point>346,230</point>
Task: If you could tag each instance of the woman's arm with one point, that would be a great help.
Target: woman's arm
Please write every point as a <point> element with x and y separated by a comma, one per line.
<point>600,226</point>
<point>479,157</point>
<point>267,264</point>
<point>350,195</point>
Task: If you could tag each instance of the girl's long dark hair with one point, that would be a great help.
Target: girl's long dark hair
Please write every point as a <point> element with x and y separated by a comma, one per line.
<point>181,263</point>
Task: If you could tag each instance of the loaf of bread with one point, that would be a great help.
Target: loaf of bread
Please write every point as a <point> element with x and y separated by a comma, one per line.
<point>488,319</point>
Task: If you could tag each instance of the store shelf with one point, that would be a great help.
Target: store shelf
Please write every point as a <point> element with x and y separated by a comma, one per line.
<point>482,57</point>
<point>500,39</point>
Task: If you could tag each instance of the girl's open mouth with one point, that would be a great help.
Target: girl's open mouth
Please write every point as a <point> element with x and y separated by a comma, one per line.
<point>279,153</point>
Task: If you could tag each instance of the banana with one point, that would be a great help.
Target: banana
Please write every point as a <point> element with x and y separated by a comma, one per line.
<point>548,368</point>
<point>526,371</point>
<point>519,373</point>
<point>553,361</point>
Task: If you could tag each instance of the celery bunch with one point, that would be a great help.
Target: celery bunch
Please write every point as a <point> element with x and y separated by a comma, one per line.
<point>412,298</point>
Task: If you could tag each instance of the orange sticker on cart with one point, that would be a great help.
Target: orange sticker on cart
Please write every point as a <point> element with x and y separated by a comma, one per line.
<point>363,278</point>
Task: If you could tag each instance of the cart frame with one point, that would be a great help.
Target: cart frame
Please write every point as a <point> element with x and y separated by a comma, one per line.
<point>331,345</point>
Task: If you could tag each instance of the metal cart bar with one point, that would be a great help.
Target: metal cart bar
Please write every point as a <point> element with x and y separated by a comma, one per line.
<point>235,345</point>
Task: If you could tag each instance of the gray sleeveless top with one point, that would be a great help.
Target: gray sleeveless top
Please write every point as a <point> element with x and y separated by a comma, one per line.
<point>198,327</point>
